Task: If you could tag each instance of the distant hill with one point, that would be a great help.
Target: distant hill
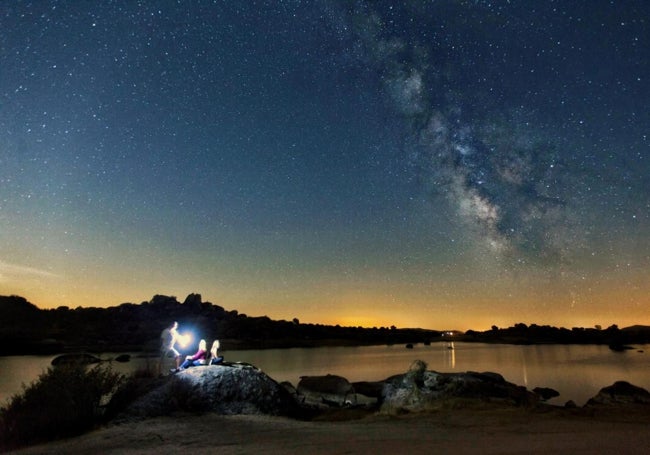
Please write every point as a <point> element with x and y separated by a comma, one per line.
<point>535,334</point>
<point>24,328</point>
<point>637,328</point>
<point>14,307</point>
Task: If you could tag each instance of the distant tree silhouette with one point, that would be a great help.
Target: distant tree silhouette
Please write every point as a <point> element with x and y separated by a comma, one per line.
<point>24,329</point>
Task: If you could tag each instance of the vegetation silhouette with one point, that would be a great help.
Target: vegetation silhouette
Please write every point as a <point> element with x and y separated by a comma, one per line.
<point>129,327</point>
<point>26,329</point>
<point>65,401</point>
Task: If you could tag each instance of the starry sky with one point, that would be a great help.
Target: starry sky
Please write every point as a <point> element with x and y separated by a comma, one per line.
<point>449,164</point>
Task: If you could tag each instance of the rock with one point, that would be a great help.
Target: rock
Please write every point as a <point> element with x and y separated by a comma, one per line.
<point>620,393</point>
<point>411,393</point>
<point>290,388</point>
<point>82,358</point>
<point>546,393</point>
<point>570,404</point>
<point>329,390</point>
<point>123,358</point>
<point>193,300</point>
<point>223,389</point>
<point>369,389</point>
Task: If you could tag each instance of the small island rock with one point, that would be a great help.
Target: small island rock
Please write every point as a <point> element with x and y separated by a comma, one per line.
<point>546,393</point>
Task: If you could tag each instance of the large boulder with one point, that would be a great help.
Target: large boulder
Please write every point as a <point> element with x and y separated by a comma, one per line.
<point>546,393</point>
<point>82,358</point>
<point>371,389</point>
<point>223,389</point>
<point>620,393</point>
<point>329,390</point>
<point>421,390</point>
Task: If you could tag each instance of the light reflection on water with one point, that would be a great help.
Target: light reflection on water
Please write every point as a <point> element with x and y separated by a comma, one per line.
<point>576,371</point>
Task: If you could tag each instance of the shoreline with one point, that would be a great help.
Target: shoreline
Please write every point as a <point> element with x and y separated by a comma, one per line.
<point>586,389</point>
<point>152,350</point>
<point>491,416</point>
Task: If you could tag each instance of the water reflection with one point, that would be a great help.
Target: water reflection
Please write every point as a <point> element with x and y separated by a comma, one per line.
<point>449,355</point>
<point>524,371</point>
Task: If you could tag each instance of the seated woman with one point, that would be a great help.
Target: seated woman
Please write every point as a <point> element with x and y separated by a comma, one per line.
<point>197,359</point>
<point>215,358</point>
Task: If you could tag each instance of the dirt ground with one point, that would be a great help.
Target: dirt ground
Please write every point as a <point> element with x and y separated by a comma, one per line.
<point>496,431</point>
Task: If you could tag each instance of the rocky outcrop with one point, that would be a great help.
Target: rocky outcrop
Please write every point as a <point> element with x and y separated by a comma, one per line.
<point>415,391</point>
<point>421,390</point>
<point>546,393</point>
<point>82,358</point>
<point>620,393</point>
<point>234,388</point>
<point>223,389</point>
<point>329,390</point>
<point>369,389</point>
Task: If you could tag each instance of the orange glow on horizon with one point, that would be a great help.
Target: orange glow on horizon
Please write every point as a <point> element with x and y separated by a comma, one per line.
<point>620,300</point>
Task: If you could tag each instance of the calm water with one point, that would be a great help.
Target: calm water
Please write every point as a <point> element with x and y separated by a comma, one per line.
<point>577,372</point>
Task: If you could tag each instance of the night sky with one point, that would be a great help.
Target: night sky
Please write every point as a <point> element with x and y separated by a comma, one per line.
<point>445,164</point>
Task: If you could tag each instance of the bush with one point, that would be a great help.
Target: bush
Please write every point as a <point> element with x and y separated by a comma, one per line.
<point>64,401</point>
<point>137,384</point>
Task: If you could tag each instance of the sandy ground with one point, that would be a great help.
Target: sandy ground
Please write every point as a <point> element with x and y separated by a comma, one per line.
<point>501,431</point>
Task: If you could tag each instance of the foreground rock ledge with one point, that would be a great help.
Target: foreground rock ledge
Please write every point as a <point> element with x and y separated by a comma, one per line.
<point>224,389</point>
<point>231,389</point>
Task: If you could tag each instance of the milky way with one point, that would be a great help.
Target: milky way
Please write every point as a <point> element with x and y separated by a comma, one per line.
<point>507,180</point>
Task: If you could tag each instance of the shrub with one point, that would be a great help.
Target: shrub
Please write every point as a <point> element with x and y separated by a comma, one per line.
<point>64,401</point>
<point>139,383</point>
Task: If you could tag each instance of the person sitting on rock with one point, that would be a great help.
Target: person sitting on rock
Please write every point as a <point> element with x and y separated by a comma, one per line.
<point>197,359</point>
<point>215,358</point>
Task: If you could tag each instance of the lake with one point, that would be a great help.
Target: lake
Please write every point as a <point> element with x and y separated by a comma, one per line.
<point>578,372</point>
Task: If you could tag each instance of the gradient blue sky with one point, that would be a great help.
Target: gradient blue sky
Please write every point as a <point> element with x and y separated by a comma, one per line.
<point>443,164</point>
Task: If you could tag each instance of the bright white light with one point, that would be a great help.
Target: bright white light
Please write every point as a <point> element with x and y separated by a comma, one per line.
<point>184,339</point>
